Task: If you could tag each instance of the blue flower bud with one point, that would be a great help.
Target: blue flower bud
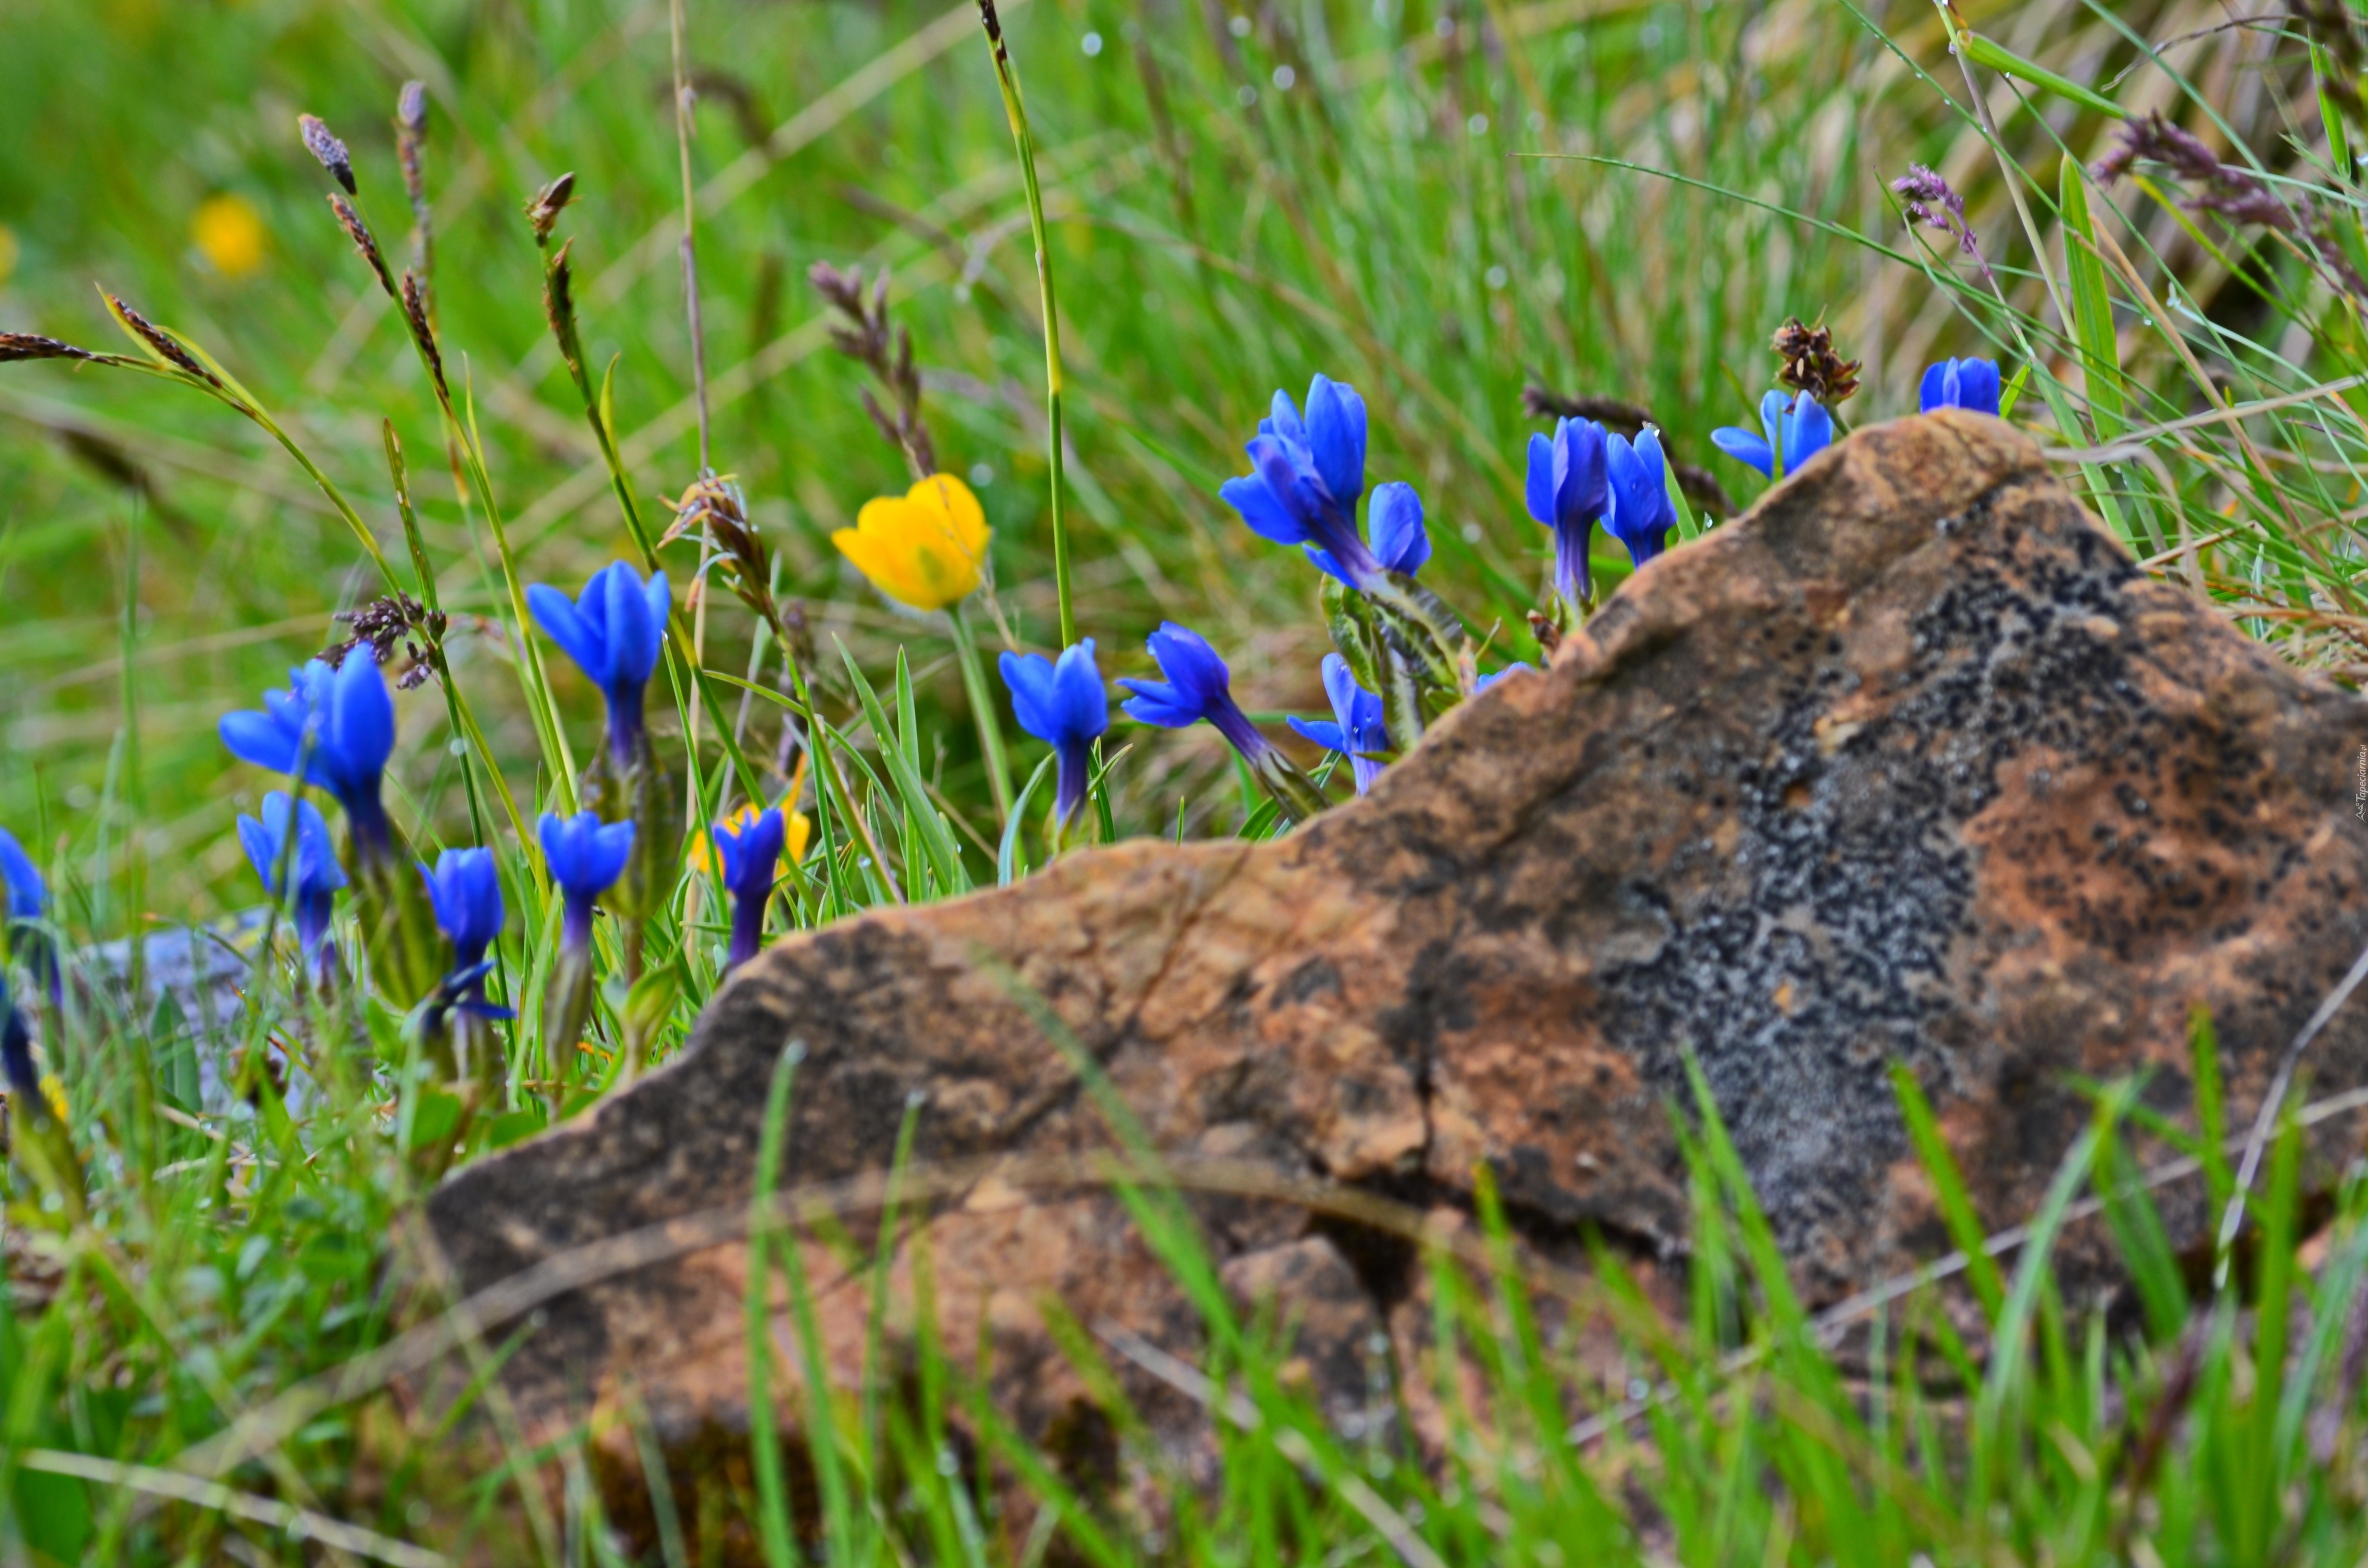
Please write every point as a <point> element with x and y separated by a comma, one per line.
<point>1063,704</point>
<point>1567,491</point>
<point>614,633</point>
<point>585,856</point>
<point>466,889</point>
<point>1641,515</point>
<point>752,861</point>
<point>1969,384</point>
<point>311,868</point>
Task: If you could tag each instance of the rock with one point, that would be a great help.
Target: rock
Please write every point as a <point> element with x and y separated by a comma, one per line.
<point>1909,765</point>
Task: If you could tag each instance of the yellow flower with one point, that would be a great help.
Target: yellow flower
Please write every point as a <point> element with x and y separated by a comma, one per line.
<point>797,830</point>
<point>229,233</point>
<point>53,1089</point>
<point>923,548</point>
<point>7,252</point>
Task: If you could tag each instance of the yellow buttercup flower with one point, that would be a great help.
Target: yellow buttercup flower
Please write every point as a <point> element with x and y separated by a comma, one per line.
<point>923,548</point>
<point>796,831</point>
<point>229,233</point>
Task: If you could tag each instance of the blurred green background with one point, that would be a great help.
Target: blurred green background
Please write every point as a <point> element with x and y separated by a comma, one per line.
<point>1395,192</point>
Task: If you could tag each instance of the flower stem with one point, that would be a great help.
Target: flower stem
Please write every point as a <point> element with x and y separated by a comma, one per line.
<point>1015,112</point>
<point>982,708</point>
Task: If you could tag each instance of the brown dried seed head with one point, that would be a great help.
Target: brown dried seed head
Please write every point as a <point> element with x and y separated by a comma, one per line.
<point>31,345</point>
<point>161,341</point>
<point>364,241</point>
<point>1811,365</point>
<point>414,312</point>
<point>548,204</point>
<point>559,306</point>
<point>323,146</point>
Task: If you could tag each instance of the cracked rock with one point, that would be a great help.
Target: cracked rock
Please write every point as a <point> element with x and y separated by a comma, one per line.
<point>1909,765</point>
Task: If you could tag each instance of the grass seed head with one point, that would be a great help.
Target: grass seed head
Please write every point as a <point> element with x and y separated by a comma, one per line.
<point>324,144</point>
<point>559,308</point>
<point>548,202</point>
<point>33,345</point>
<point>414,312</point>
<point>364,241</point>
<point>161,342</point>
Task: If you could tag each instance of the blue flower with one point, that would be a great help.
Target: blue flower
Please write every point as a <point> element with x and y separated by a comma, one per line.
<point>334,728</point>
<point>1356,727</point>
<point>752,860</point>
<point>1484,682</point>
<point>463,990</point>
<point>1641,515</point>
<point>466,889</point>
<point>1800,427</point>
<point>1198,686</point>
<point>1305,477</point>
<point>28,896</point>
<point>1400,541</point>
<point>1566,492</point>
<point>1969,384</point>
<point>1064,705</point>
<point>17,1055</point>
<point>585,856</point>
<point>613,633</point>
<point>312,866</point>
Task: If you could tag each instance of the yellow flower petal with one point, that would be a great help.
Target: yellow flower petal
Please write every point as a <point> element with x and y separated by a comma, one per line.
<point>923,548</point>
<point>229,233</point>
<point>53,1089</point>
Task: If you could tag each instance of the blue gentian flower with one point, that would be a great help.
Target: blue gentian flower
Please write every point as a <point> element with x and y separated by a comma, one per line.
<point>1484,682</point>
<point>752,861</point>
<point>466,889</point>
<point>613,633</point>
<point>1640,516</point>
<point>1969,384</point>
<point>312,866</point>
<point>1566,492</point>
<point>1199,687</point>
<point>17,1053</point>
<point>1799,426</point>
<point>337,726</point>
<point>1063,704</point>
<point>585,856</point>
<point>28,896</point>
<point>1356,726</point>
<point>463,990</point>
<point>1400,542</point>
<point>1305,477</point>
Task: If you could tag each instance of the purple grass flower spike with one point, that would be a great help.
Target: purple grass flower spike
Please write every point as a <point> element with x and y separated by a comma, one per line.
<point>1198,686</point>
<point>1566,493</point>
<point>1799,428</point>
<point>1305,477</point>
<point>334,729</point>
<point>585,856</point>
<point>1969,384</point>
<point>1641,515</point>
<point>614,633</point>
<point>1930,200</point>
<point>1063,704</point>
<point>752,862</point>
<point>1356,727</point>
<point>311,867</point>
<point>466,889</point>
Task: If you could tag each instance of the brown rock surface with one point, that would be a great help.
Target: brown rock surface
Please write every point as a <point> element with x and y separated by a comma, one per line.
<point>1910,765</point>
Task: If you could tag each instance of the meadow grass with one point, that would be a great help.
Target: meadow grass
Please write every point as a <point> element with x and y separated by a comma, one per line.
<point>1440,204</point>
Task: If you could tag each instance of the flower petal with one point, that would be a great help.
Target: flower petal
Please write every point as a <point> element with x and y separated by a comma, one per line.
<point>1323,732</point>
<point>257,738</point>
<point>1262,509</point>
<point>1744,447</point>
<point>1394,519</point>
<point>1336,437</point>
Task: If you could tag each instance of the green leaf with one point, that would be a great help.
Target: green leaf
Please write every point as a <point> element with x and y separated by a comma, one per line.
<point>937,839</point>
<point>1008,867</point>
<point>2092,307</point>
<point>1998,57</point>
